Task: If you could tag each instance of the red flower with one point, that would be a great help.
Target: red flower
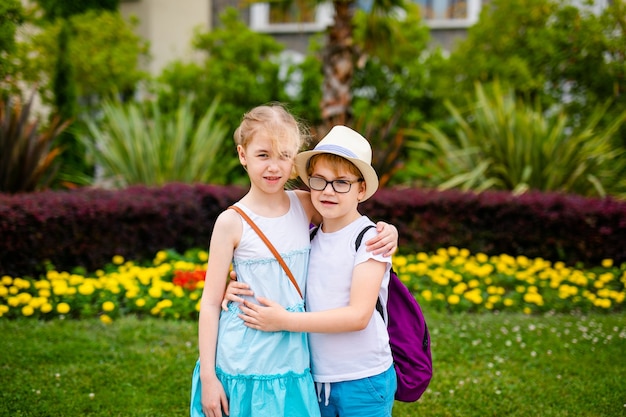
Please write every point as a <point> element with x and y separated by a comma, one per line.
<point>188,279</point>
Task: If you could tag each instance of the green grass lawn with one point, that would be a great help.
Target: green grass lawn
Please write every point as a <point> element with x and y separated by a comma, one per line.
<point>485,365</point>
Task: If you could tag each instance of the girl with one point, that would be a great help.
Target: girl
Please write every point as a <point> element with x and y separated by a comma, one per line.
<point>244,372</point>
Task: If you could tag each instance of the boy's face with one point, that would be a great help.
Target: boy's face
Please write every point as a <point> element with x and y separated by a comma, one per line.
<point>337,208</point>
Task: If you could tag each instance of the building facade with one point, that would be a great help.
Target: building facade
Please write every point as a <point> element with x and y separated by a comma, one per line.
<point>169,25</point>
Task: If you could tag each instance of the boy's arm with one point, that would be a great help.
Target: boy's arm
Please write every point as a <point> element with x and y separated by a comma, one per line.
<point>234,291</point>
<point>366,281</point>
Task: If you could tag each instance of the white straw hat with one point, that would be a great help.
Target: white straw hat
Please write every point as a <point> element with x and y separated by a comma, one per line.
<point>344,142</point>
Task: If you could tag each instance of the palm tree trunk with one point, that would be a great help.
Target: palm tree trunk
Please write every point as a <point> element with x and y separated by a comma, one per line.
<point>338,67</point>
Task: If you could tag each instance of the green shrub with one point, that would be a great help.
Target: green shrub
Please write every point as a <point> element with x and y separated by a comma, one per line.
<point>138,144</point>
<point>503,143</point>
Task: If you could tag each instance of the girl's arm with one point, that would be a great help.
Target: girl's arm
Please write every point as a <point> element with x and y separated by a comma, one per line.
<point>224,239</point>
<point>366,280</point>
<point>385,242</point>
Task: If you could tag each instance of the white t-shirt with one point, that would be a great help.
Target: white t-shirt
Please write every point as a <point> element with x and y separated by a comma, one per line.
<point>346,356</point>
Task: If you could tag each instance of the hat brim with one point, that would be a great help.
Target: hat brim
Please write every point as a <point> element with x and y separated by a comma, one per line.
<point>367,171</point>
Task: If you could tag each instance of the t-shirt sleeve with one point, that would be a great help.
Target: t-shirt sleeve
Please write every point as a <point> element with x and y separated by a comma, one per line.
<point>362,255</point>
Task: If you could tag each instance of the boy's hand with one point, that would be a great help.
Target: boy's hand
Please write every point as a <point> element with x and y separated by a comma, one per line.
<point>268,317</point>
<point>385,242</point>
<point>234,291</point>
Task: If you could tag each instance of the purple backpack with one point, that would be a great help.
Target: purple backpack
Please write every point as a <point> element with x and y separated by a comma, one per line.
<point>408,337</point>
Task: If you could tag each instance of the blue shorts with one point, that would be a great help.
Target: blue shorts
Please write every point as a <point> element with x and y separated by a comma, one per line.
<point>367,397</point>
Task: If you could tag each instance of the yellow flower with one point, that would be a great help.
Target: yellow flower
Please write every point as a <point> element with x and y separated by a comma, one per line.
<point>399,261</point>
<point>118,259</point>
<point>453,299</point>
<point>21,283</point>
<point>63,308</point>
<point>607,263</point>
<point>482,258</point>
<point>60,289</point>
<point>108,306</point>
<point>46,308</point>
<point>155,292</point>
<point>86,289</point>
<point>42,284</point>
<point>164,304</point>
<point>7,280</point>
<point>27,311</point>
<point>140,302</point>
<point>459,288</point>
<point>160,257</point>
<point>106,319</point>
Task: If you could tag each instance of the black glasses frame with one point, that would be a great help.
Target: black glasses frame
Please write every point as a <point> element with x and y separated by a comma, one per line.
<point>332,184</point>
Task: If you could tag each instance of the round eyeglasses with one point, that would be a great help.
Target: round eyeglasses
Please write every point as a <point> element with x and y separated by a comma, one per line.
<point>340,186</point>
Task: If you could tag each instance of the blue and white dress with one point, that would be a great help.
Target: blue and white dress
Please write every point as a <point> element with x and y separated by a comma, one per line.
<point>266,374</point>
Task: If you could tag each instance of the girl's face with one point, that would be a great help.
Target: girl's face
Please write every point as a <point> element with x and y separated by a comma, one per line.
<point>268,167</point>
<point>337,208</point>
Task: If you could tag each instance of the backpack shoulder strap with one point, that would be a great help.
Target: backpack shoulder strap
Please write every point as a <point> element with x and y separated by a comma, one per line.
<point>359,238</point>
<point>357,244</point>
<point>313,232</point>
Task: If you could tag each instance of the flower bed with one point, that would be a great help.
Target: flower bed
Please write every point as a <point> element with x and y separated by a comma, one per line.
<point>450,279</point>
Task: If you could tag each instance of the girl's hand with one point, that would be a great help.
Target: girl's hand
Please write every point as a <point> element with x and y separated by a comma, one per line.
<point>234,291</point>
<point>385,242</point>
<point>268,317</point>
<point>213,398</point>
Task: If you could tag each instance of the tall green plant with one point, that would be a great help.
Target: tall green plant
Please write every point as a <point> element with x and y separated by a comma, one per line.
<point>501,142</point>
<point>26,152</point>
<point>138,144</point>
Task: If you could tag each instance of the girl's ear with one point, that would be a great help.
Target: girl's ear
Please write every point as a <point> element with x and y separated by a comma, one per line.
<point>242,155</point>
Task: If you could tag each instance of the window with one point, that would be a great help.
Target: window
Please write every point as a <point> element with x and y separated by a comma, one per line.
<point>449,13</point>
<point>297,11</point>
<point>274,17</point>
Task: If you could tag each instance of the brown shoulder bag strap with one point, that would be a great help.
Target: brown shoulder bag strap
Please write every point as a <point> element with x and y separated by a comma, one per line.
<point>270,246</point>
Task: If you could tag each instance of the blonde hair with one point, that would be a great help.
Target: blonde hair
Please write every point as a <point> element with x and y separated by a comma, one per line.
<point>337,163</point>
<point>274,120</point>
